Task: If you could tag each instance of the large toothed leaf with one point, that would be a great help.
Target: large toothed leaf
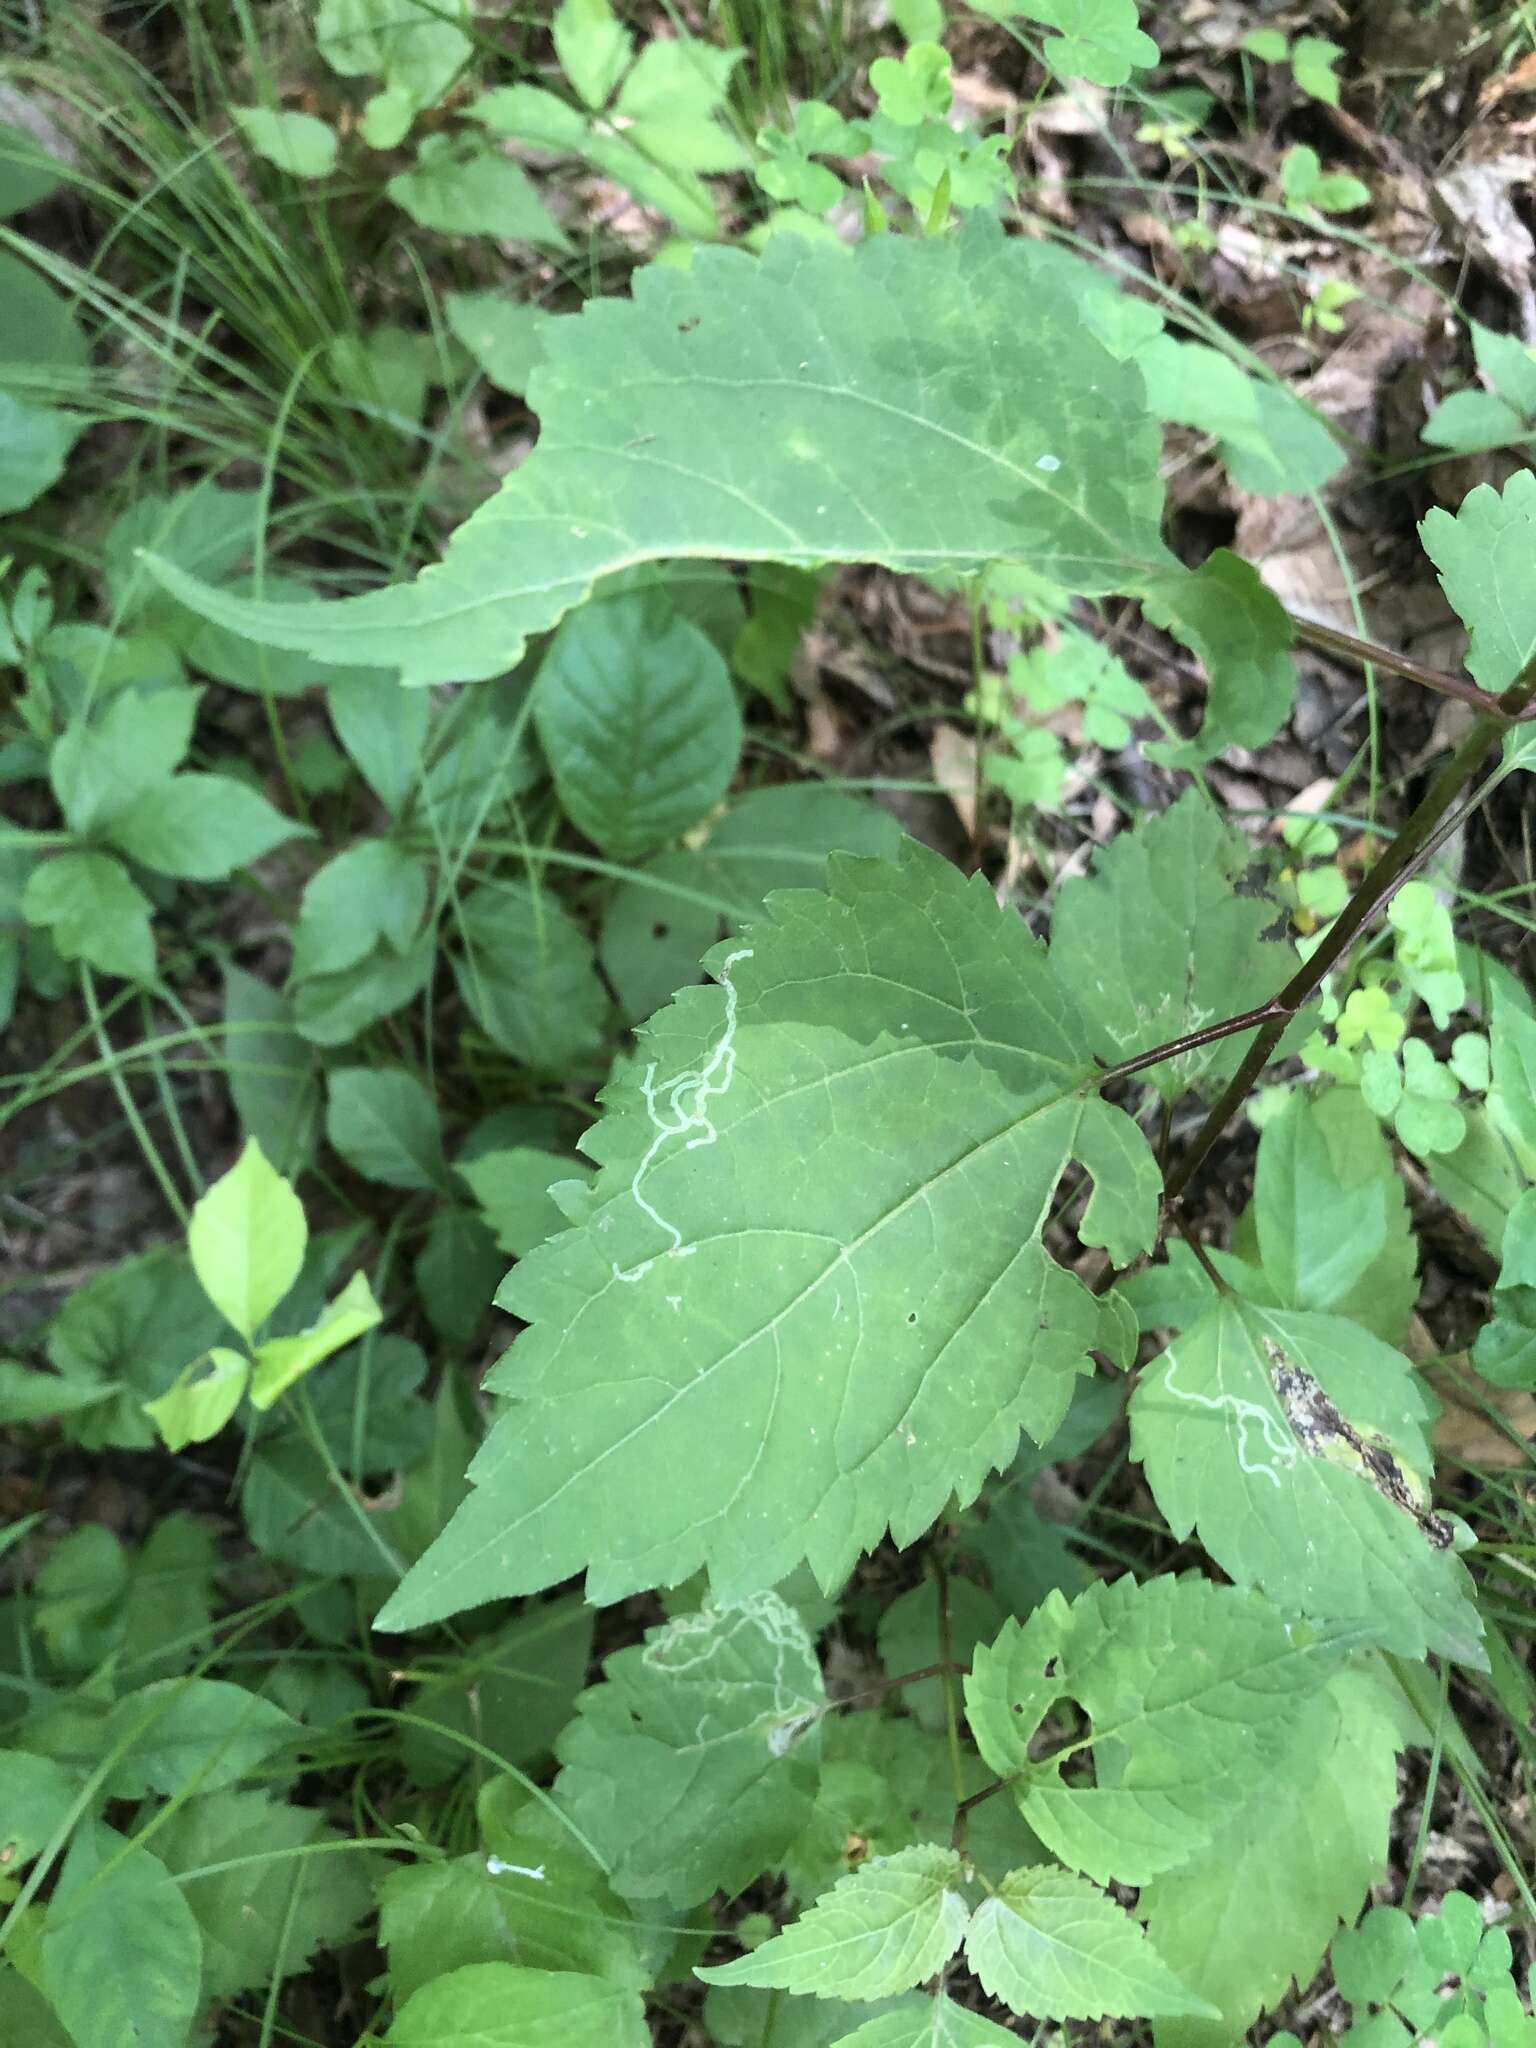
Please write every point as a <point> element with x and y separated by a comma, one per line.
<point>1190,1690</point>
<point>1157,942</point>
<point>692,1766</point>
<point>810,1299</point>
<point>885,1927</point>
<point>1484,553</point>
<point>1053,1946</point>
<point>1295,1446</point>
<point>924,404</point>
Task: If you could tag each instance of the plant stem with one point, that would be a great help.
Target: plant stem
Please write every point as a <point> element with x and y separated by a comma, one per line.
<point>1365,654</point>
<point>1386,877</point>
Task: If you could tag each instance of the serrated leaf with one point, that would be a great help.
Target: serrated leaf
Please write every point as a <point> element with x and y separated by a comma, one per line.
<point>282,1361</point>
<point>764,1366</point>
<point>93,913</point>
<point>936,2023</point>
<point>1331,1214</point>
<point>1243,1427</point>
<point>1157,942</point>
<point>512,1189</point>
<point>691,1766</point>
<point>887,1926</point>
<point>121,1951</point>
<point>497,2005</point>
<point>1242,634</point>
<point>259,1917</point>
<point>183,1734</point>
<point>505,336</point>
<point>1259,1906</point>
<point>636,713</point>
<point>1483,553</point>
<point>383,1121</point>
<point>246,1239</point>
<point>460,185</point>
<point>761,409</point>
<point>1052,1946</point>
<point>201,827</point>
<point>593,48</point>
<point>1189,1688</point>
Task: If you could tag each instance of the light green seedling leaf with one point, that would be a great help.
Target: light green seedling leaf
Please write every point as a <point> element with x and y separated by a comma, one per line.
<point>98,770</point>
<point>384,1122</point>
<point>1483,554</point>
<point>787,172</point>
<point>1080,669</point>
<point>667,107</point>
<point>417,47</point>
<point>1307,187</point>
<point>593,48</point>
<point>282,1361</point>
<point>1313,62</point>
<point>505,336</point>
<point>498,2005</point>
<point>201,827</point>
<point>462,186</point>
<point>1157,941</point>
<point>692,1766</point>
<point>753,409</point>
<point>1175,1737</point>
<point>1425,952</point>
<point>201,1399</point>
<point>246,1238</point>
<point>187,1731</point>
<point>1095,39</point>
<point>887,1926</point>
<point>297,143</point>
<point>1295,1446</point>
<point>637,715</point>
<point>121,1951</point>
<point>94,913</point>
<point>36,1798</point>
<point>764,1365</point>
<point>1255,1911</point>
<point>1427,1117</point>
<point>1242,635</point>
<point>1053,1947</point>
<point>915,87</point>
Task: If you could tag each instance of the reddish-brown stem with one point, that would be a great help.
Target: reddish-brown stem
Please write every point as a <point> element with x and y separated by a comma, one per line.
<point>1364,654</point>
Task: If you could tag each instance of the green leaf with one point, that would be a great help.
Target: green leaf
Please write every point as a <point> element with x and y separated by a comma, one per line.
<point>667,106</point>
<point>1095,39</point>
<point>754,409</point>
<point>99,770</point>
<point>1470,421</point>
<point>497,2005</point>
<point>691,1766</point>
<point>330,1009</point>
<point>246,1238</point>
<point>512,1189</point>
<point>1260,1905</point>
<point>910,1637</point>
<point>282,1361</point>
<point>887,1926</point>
<point>458,1272</point>
<point>505,336</point>
<point>1051,1946</point>
<point>1483,555</point>
<point>462,186</point>
<point>270,1070</point>
<point>636,713</point>
<point>93,913</point>
<point>297,143</point>
<point>383,729</point>
<point>35,441</point>
<point>914,87</point>
<point>418,47</point>
<point>527,977</point>
<point>201,827</point>
<point>36,1797</point>
<point>131,1328</point>
<point>201,1399</point>
<point>1332,1216</point>
<point>763,1365</point>
<point>593,48</point>
<point>28,171</point>
<point>384,1123</point>
<point>121,1951</point>
<point>372,892</point>
<point>184,1734</point>
<point>1293,1443</point>
<point>1158,942</point>
<point>262,1916</point>
<point>935,2023</point>
<point>516,1686</point>
<point>1190,1690</point>
<point>1242,634</point>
